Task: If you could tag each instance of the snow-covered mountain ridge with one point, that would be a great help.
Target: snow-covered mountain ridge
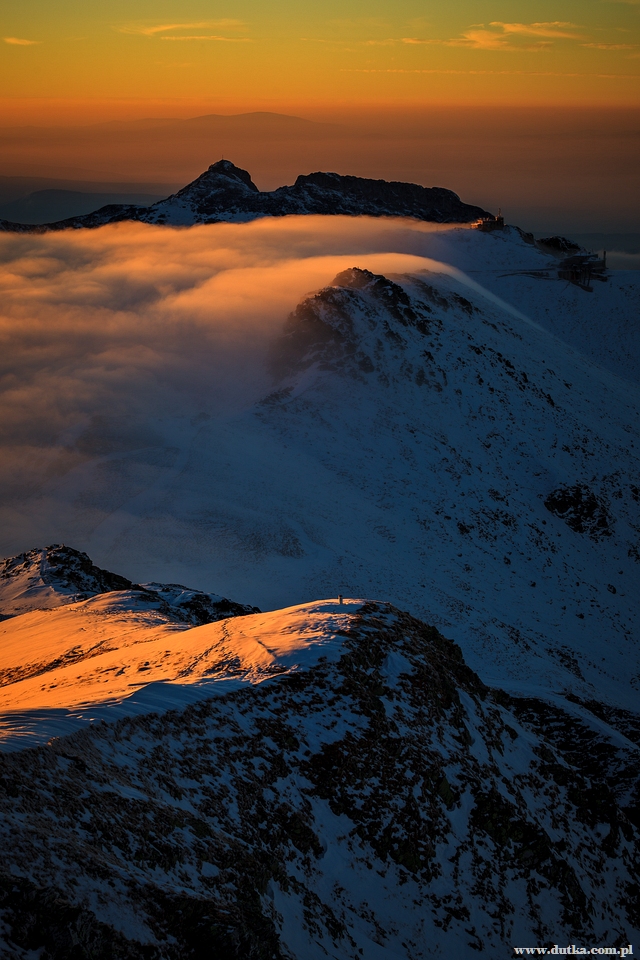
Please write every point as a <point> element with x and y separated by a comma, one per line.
<point>225,192</point>
<point>382,802</point>
<point>423,440</point>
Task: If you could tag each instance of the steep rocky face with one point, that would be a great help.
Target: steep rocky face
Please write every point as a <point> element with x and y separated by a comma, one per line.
<point>332,193</point>
<point>46,578</point>
<point>387,804</point>
<point>226,192</point>
<point>357,325</point>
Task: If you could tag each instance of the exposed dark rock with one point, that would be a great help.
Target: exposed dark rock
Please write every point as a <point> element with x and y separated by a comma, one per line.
<point>194,606</point>
<point>66,569</point>
<point>44,919</point>
<point>581,510</point>
<point>527,237</point>
<point>560,246</point>
<point>321,330</point>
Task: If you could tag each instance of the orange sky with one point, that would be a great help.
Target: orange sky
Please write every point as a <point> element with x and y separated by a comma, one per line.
<point>67,61</point>
<point>532,105</point>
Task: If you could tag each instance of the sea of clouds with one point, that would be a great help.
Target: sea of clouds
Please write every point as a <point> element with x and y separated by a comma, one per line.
<point>111,340</point>
<point>133,321</point>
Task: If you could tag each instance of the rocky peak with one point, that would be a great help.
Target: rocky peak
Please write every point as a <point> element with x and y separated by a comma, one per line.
<point>559,246</point>
<point>51,576</point>
<point>354,278</point>
<point>223,178</point>
<point>357,325</point>
<point>365,196</point>
<point>384,291</point>
<point>326,181</point>
<point>225,168</point>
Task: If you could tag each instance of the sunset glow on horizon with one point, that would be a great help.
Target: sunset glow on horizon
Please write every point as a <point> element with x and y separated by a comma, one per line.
<point>67,63</point>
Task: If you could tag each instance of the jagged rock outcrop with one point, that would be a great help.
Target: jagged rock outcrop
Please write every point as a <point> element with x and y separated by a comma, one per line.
<point>357,325</point>
<point>70,574</point>
<point>225,192</point>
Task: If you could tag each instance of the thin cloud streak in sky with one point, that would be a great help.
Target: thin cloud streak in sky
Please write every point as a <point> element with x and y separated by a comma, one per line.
<point>555,28</point>
<point>499,35</point>
<point>156,30</point>
<point>211,37</point>
<point>610,46</point>
<point>478,36</point>
<point>497,73</point>
<point>19,42</point>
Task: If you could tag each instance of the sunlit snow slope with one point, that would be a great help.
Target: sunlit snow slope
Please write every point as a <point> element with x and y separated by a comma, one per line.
<point>123,653</point>
<point>78,644</point>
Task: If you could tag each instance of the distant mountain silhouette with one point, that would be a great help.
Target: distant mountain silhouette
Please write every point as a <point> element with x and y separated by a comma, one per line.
<point>47,206</point>
<point>225,192</point>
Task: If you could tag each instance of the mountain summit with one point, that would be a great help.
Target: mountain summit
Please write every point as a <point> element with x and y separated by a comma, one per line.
<point>225,192</point>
